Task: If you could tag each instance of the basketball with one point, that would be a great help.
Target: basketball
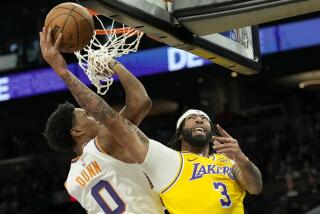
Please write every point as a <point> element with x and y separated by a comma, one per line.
<point>74,22</point>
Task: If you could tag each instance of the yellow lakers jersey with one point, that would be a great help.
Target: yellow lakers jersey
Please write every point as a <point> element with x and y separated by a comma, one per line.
<point>204,185</point>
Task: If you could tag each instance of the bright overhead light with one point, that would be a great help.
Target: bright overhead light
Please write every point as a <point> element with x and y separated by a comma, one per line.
<point>308,83</point>
<point>234,74</point>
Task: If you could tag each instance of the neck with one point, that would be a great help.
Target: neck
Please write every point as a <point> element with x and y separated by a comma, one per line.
<point>78,150</point>
<point>202,151</point>
<point>108,146</point>
<point>80,142</point>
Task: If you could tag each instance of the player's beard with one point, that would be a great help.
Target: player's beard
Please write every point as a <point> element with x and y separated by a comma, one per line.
<point>197,140</point>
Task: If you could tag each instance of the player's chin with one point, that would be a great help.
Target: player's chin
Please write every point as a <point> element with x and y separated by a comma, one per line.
<point>200,138</point>
<point>199,135</point>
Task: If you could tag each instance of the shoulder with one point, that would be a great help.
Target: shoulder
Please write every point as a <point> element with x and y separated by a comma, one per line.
<point>90,147</point>
<point>94,150</point>
<point>221,159</point>
<point>189,155</point>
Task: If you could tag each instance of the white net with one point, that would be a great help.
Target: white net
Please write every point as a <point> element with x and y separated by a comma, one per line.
<point>95,57</point>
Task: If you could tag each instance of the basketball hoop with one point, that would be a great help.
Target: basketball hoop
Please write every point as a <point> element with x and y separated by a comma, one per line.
<point>95,57</point>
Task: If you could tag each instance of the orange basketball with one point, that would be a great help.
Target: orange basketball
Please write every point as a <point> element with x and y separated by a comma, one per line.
<point>74,22</point>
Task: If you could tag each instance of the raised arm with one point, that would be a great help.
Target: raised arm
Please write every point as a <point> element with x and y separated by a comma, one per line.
<point>126,133</point>
<point>138,103</point>
<point>247,175</point>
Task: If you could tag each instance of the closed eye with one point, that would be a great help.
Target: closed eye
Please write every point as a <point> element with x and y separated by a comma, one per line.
<point>204,118</point>
<point>191,117</point>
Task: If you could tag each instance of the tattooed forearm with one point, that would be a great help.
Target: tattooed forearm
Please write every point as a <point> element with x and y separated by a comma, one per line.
<point>133,128</point>
<point>89,100</point>
<point>248,177</point>
<point>238,176</point>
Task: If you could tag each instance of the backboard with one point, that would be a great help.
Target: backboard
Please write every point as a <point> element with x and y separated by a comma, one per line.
<point>235,49</point>
<point>193,25</point>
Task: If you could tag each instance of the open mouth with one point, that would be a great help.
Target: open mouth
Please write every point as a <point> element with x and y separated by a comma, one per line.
<point>199,130</point>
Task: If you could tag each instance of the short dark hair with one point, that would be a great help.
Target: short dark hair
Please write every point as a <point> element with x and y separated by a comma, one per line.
<point>58,127</point>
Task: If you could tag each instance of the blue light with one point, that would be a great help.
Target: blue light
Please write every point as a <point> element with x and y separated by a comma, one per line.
<point>289,36</point>
<point>160,60</point>
<point>143,63</point>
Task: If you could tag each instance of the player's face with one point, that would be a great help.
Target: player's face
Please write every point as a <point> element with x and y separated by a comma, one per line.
<point>85,123</point>
<point>197,130</point>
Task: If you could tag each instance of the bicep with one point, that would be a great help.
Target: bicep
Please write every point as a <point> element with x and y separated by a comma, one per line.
<point>107,137</point>
<point>131,138</point>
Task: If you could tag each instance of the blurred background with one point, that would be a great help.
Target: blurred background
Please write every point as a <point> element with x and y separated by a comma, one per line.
<point>273,114</point>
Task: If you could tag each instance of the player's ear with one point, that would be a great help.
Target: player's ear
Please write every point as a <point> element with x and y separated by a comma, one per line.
<point>76,132</point>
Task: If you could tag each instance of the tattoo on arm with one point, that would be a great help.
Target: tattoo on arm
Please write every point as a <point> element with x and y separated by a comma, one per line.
<point>238,176</point>
<point>248,177</point>
<point>89,100</point>
<point>133,128</point>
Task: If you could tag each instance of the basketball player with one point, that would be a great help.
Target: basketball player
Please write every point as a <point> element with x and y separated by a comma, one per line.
<point>104,177</point>
<point>225,172</point>
<point>195,180</point>
<point>185,183</point>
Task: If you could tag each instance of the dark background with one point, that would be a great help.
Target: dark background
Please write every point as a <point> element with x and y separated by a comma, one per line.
<point>277,125</point>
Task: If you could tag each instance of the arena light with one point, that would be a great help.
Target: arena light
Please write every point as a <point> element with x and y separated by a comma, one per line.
<point>305,84</point>
<point>234,74</point>
<point>301,79</point>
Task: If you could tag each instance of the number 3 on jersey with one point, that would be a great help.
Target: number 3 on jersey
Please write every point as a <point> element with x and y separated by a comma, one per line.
<point>225,200</point>
<point>107,198</point>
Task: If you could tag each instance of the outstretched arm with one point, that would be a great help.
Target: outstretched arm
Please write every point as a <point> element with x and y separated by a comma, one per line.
<point>127,134</point>
<point>247,175</point>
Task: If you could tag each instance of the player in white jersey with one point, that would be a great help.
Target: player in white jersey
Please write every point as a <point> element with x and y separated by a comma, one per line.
<point>104,177</point>
<point>117,187</point>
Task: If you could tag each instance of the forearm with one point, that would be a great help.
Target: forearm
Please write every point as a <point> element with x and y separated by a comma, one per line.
<point>246,173</point>
<point>88,100</point>
<point>249,176</point>
<point>135,92</point>
<point>126,133</point>
<point>138,103</point>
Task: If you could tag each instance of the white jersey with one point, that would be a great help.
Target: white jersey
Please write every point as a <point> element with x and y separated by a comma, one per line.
<point>103,184</point>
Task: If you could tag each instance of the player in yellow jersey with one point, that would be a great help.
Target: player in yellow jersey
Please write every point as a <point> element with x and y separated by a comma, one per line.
<point>203,181</point>
<point>220,178</point>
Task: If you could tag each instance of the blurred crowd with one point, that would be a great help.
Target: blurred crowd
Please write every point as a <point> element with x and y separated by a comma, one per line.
<point>285,147</point>
<point>28,183</point>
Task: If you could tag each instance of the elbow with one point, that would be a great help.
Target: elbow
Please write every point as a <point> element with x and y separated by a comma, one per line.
<point>142,104</point>
<point>147,103</point>
<point>256,190</point>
